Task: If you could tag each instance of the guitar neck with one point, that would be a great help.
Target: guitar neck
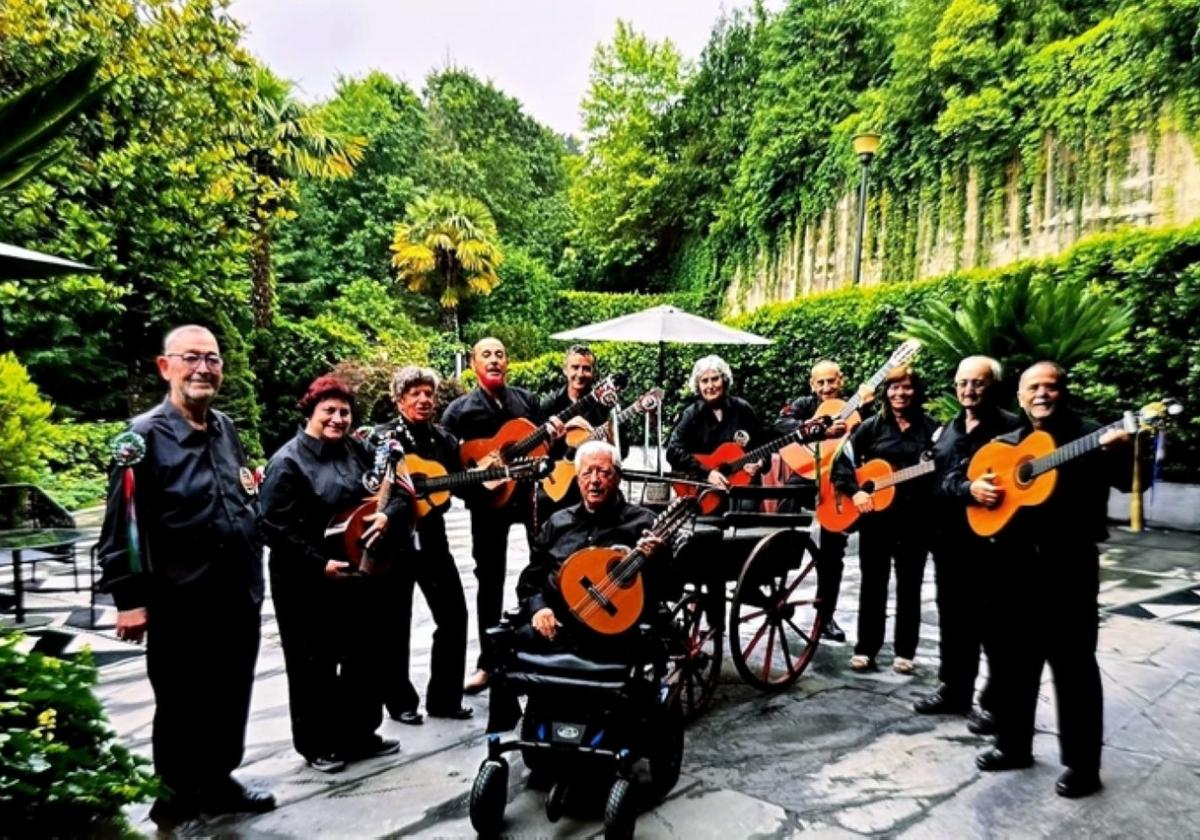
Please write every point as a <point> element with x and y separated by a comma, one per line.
<point>760,452</point>
<point>453,481</point>
<point>1072,450</point>
<point>666,525</point>
<point>906,474</point>
<point>535,439</point>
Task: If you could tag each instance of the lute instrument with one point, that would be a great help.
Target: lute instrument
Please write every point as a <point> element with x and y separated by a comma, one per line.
<point>603,588</point>
<point>558,482</point>
<point>837,512</point>
<point>433,483</point>
<point>1026,472</point>
<point>521,438</point>
<point>808,460</point>
<point>344,534</point>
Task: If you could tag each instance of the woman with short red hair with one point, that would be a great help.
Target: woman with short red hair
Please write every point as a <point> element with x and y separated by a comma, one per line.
<point>324,610</point>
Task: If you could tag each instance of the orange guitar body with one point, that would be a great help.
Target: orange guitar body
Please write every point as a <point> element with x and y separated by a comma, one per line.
<point>592,567</point>
<point>836,512</point>
<point>803,459</point>
<point>1004,461</point>
<point>560,480</point>
<point>724,454</point>
<point>476,452</point>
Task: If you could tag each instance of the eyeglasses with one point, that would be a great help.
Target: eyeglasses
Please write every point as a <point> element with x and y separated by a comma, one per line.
<point>973,383</point>
<point>193,360</point>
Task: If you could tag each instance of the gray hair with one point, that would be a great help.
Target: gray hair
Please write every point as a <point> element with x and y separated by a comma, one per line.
<point>707,364</point>
<point>410,377</point>
<point>993,365</point>
<point>597,447</point>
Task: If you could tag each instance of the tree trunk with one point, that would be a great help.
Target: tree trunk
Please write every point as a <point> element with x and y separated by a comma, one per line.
<point>450,322</point>
<point>262,284</point>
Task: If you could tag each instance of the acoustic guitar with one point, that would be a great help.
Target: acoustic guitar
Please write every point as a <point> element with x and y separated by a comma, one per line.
<point>433,483</point>
<point>520,438</point>
<point>1027,472</point>
<point>559,481</point>
<point>837,512</point>
<point>808,460</point>
<point>344,534</point>
<point>602,587</point>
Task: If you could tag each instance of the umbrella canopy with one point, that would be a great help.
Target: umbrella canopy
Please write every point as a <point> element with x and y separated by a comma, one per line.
<point>661,325</point>
<point>21,263</point>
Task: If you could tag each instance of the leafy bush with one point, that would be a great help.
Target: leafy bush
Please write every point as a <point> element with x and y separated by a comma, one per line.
<point>62,772</point>
<point>25,430</point>
<point>78,466</point>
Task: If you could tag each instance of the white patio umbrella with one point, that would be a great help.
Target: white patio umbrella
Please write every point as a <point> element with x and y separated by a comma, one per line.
<point>21,264</point>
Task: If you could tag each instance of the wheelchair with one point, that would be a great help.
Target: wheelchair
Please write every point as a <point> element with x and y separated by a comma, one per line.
<point>593,719</point>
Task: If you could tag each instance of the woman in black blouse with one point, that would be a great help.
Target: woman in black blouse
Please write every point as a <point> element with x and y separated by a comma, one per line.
<point>327,615</point>
<point>900,434</point>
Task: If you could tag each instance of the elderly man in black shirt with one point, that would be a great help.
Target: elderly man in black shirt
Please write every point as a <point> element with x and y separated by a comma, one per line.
<point>1053,572</point>
<point>190,580</point>
<point>478,416</point>
<point>964,564</point>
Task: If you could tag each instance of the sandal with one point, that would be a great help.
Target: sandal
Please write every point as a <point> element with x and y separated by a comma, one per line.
<point>903,666</point>
<point>860,663</point>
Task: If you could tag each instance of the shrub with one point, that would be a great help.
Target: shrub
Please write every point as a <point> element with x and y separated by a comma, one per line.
<point>62,772</point>
<point>26,435</point>
<point>77,476</point>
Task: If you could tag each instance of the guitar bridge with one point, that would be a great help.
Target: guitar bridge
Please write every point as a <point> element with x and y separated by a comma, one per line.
<point>595,594</point>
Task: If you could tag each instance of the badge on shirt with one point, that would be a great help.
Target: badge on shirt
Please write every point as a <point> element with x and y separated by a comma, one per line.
<point>249,484</point>
<point>741,437</point>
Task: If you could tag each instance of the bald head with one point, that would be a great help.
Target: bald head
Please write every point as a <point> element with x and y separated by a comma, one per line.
<point>187,334</point>
<point>826,380</point>
<point>1041,390</point>
<point>489,360</point>
<point>975,381</point>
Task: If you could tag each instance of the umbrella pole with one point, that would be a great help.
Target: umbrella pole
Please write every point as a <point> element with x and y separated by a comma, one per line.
<point>662,378</point>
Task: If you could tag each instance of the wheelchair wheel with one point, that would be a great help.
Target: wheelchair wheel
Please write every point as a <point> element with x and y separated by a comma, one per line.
<point>620,812</point>
<point>489,795</point>
<point>774,626</point>
<point>696,658</point>
<point>666,750</point>
<point>556,800</point>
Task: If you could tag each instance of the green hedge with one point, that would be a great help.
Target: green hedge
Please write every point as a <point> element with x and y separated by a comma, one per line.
<point>78,471</point>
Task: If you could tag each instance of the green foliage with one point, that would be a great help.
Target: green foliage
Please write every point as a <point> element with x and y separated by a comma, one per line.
<point>62,771</point>
<point>77,473</point>
<point>26,434</point>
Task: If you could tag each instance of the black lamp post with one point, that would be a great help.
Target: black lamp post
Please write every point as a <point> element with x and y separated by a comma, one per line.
<point>865,146</point>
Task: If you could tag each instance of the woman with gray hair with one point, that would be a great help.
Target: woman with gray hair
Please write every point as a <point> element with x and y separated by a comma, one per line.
<point>431,566</point>
<point>714,418</point>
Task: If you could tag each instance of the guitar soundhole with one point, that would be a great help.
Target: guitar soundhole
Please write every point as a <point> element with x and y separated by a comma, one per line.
<point>611,571</point>
<point>1025,473</point>
<point>868,487</point>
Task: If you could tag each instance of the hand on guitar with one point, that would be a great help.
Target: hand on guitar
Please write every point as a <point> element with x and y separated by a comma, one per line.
<point>379,524</point>
<point>752,469</point>
<point>557,428</point>
<point>1113,437</point>
<point>649,543</point>
<point>985,492</point>
<point>337,569</point>
<point>864,502</point>
<point>717,479</point>
<point>836,430</point>
<point>865,393</point>
<point>545,623</point>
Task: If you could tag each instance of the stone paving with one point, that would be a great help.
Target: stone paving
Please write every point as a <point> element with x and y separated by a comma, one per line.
<point>837,755</point>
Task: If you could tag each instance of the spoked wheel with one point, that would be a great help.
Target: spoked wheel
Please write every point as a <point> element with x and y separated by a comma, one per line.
<point>696,661</point>
<point>774,627</point>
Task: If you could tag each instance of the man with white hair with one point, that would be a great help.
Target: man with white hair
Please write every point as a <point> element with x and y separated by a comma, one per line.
<point>714,418</point>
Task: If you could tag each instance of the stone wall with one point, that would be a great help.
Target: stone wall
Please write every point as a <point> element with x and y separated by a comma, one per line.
<point>1156,184</point>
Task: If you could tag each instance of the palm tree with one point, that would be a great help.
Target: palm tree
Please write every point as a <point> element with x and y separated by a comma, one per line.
<point>447,248</point>
<point>286,141</point>
<point>1020,321</point>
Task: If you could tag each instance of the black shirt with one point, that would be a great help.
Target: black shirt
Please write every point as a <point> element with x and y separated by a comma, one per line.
<point>196,511</point>
<point>433,443</point>
<point>880,437</point>
<point>569,530</point>
<point>476,415</point>
<point>308,481</point>
<point>699,432</point>
<point>952,453</point>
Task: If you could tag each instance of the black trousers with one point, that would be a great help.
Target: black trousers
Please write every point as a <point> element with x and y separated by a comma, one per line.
<point>489,548</point>
<point>201,649</point>
<point>963,566</point>
<point>435,572</point>
<point>831,555</point>
<point>1059,586</point>
<point>330,631</point>
<point>881,545</point>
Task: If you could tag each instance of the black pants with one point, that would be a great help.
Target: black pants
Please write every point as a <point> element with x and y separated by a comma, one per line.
<point>1059,587</point>
<point>201,649</point>
<point>330,631</point>
<point>489,548</point>
<point>435,572</point>
<point>831,555</point>
<point>963,565</point>
<point>881,545</point>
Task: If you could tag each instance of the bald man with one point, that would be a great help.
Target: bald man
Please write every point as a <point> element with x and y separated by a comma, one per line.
<point>192,585</point>
<point>475,416</point>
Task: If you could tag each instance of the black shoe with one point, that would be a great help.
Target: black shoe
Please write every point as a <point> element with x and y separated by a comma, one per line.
<point>327,763</point>
<point>232,797</point>
<point>372,749</point>
<point>939,704</point>
<point>981,723</point>
<point>1074,784</point>
<point>832,631</point>
<point>461,713</point>
<point>995,760</point>
<point>170,812</point>
<point>411,717</point>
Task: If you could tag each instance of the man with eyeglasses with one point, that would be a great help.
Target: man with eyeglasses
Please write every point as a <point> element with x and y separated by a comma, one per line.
<point>962,561</point>
<point>182,558</point>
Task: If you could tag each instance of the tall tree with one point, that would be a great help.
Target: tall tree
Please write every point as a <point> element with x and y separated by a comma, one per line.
<point>447,248</point>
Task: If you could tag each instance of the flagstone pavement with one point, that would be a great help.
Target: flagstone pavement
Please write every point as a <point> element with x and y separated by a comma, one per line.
<point>837,755</point>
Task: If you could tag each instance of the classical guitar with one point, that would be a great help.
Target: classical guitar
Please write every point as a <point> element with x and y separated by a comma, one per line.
<point>602,587</point>
<point>520,438</point>
<point>433,483</point>
<point>344,534</point>
<point>1027,473</point>
<point>559,481</point>
<point>807,460</point>
<point>836,512</point>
